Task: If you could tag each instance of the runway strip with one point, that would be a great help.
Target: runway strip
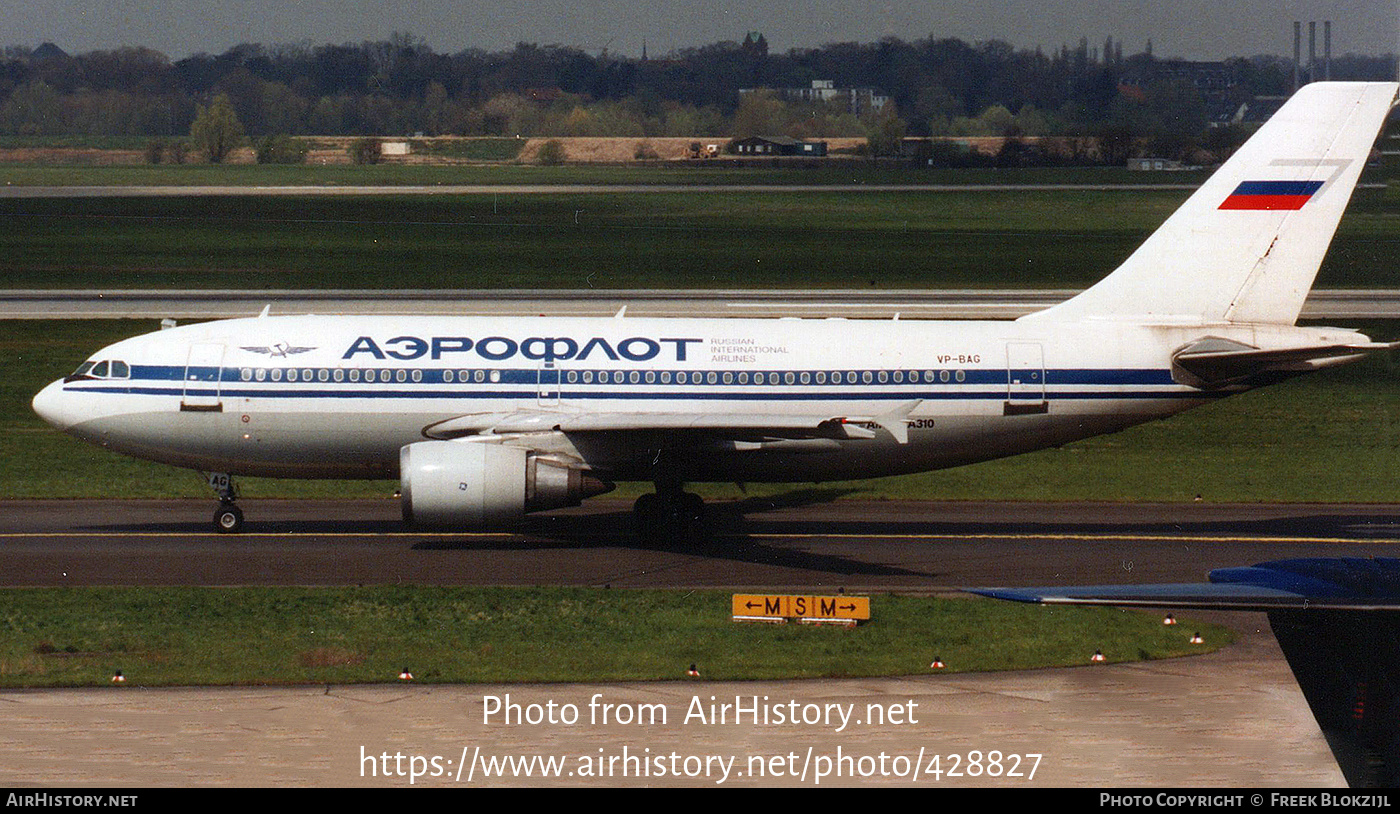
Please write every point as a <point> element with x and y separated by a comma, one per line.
<point>804,538</point>
<point>951,304</point>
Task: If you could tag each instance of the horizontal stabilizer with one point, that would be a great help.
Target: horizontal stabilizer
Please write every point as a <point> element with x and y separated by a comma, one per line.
<point>1337,621</point>
<point>1317,583</point>
<point>1182,595</point>
<point>1215,362</point>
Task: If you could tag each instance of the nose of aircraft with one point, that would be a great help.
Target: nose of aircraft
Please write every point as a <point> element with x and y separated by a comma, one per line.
<point>55,407</point>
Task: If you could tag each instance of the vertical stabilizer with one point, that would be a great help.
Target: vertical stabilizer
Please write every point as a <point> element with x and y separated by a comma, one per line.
<point>1346,663</point>
<point>1246,246</point>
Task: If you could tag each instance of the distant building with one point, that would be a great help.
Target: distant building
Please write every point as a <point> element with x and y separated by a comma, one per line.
<point>857,100</point>
<point>1156,164</point>
<point>779,145</point>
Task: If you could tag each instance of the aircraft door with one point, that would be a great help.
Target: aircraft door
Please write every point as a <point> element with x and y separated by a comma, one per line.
<point>203,374</point>
<point>1025,379</point>
<point>548,391</point>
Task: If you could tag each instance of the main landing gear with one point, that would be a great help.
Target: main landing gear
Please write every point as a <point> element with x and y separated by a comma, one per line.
<point>670,510</point>
<point>228,518</point>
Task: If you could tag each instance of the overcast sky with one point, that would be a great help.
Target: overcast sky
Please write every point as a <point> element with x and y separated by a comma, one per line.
<point>1194,29</point>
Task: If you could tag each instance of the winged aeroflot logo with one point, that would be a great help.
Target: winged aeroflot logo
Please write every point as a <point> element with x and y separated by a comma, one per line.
<point>279,350</point>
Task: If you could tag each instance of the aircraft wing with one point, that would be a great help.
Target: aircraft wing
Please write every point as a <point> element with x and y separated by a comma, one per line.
<point>1311,584</point>
<point>1215,362</point>
<point>777,425</point>
<point>1336,621</point>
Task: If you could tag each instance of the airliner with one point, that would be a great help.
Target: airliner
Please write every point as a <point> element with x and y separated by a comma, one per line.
<point>484,419</point>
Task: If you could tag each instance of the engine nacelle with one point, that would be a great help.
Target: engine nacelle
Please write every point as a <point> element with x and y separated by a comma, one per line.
<point>462,484</point>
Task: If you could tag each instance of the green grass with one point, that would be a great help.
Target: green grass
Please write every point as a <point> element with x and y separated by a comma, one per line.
<point>1331,436</point>
<point>651,240</point>
<point>619,240</point>
<point>192,636</point>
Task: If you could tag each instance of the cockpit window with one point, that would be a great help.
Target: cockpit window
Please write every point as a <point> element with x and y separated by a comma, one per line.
<point>105,369</point>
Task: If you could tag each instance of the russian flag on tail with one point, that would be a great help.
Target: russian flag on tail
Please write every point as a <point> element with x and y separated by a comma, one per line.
<point>1271,195</point>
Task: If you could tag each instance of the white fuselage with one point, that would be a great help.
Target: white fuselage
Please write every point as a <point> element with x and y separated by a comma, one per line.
<point>337,397</point>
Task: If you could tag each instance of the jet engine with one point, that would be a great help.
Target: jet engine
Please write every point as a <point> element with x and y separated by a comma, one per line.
<point>463,484</point>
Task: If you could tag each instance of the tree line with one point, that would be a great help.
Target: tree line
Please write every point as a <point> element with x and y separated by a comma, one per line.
<point>401,86</point>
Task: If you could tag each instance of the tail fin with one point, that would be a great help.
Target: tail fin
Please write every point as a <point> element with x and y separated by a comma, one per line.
<point>1246,246</point>
<point>1337,620</point>
<point>1346,663</point>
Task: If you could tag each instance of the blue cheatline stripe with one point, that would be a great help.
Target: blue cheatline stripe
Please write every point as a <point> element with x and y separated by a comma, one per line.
<point>1277,188</point>
<point>292,392</point>
<point>529,376</point>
